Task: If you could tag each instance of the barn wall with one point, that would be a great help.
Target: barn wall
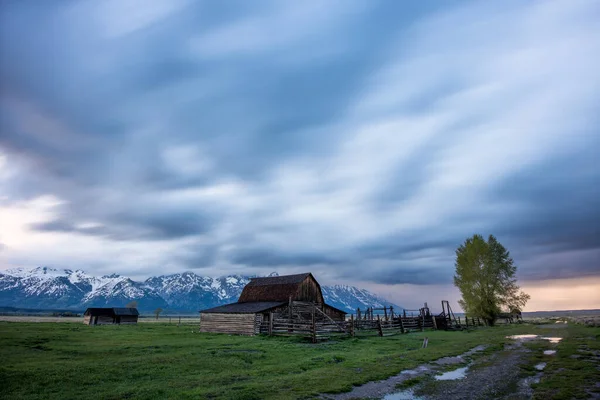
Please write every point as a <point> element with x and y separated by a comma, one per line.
<point>129,319</point>
<point>239,324</point>
<point>334,314</point>
<point>87,319</point>
<point>258,319</point>
<point>103,320</point>
<point>309,290</point>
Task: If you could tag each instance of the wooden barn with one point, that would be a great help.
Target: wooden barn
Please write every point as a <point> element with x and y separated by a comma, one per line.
<point>263,297</point>
<point>109,316</point>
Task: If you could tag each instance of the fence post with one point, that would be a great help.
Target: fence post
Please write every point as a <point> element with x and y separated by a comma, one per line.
<point>434,322</point>
<point>271,323</point>
<point>379,326</point>
<point>385,314</point>
<point>358,313</point>
<point>392,312</point>
<point>352,325</point>
<point>401,325</point>
<point>314,326</point>
<point>467,321</point>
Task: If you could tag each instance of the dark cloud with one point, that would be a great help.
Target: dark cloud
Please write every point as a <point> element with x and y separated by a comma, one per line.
<point>136,226</point>
<point>368,146</point>
<point>274,258</point>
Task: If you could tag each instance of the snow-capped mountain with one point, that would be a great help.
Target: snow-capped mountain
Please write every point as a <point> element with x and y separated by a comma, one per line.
<point>45,287</point>
<point>188,291</point>
<point>350,298</point>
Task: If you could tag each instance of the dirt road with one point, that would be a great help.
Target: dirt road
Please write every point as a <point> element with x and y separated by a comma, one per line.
<point>476,374</point>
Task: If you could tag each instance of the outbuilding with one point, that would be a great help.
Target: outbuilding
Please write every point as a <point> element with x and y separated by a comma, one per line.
<point>261,298</point>
<point>109,316</point>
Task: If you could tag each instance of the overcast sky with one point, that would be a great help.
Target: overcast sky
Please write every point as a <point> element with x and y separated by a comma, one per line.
<point>359,140</point>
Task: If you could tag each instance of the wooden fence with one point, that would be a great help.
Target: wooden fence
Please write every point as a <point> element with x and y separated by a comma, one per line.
<point>306,320</point>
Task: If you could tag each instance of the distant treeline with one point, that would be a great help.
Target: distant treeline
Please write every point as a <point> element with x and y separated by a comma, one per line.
<point>40,312</point>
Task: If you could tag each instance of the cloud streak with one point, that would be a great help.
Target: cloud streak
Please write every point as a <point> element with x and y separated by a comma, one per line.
<point>327,137</point>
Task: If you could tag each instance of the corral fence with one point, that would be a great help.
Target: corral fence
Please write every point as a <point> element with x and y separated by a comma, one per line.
<point>307,320</point>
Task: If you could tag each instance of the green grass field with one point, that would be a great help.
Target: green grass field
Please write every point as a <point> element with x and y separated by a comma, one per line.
<point>60,361</point>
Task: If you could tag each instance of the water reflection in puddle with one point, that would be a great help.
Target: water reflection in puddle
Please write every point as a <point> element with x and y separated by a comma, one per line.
<point>403,395</point>
<point>549,352</point>
<point>521,337</point>
<point>540,366</point>
<point>552,339</point>
<point>528,337</point>
<point>459,373</point>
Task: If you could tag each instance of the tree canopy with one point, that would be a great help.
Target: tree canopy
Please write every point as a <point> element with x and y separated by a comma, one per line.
<point>485,276</point>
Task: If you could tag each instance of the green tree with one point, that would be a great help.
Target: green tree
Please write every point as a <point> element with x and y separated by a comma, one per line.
<point>485,276</point>
<point>157,312</point>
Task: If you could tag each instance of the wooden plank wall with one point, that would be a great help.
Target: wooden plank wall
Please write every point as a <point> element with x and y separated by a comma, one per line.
<point>129,320</point>
<point>258,319</point>
<point>239,324</point>
<point>309,290</point>
<point>105,321</point>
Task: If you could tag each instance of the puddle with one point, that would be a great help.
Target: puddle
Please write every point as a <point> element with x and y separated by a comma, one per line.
<point>549,352</point>
<point>553,340</point>
<point>403,395</point>
<point>459,373</point>
<point>522,337</point>
<point>540,366</point>
<point>416,371</point>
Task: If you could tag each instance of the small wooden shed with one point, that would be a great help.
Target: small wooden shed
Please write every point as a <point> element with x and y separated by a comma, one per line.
<point>109,316</point>
<point>262,296</point>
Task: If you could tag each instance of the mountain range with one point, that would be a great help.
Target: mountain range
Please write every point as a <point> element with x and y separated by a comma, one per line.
<point>50,288</point>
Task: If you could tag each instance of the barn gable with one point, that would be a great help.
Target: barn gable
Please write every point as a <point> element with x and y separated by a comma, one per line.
<point>299,287</point>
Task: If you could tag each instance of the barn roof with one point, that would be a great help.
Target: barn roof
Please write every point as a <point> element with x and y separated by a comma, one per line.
<point>126,311</point>
<point>272,288</point>
<point>244,308</point>
<point>111,311</point>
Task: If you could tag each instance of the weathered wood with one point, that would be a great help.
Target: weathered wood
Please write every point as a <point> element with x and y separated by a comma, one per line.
<point>379,326</point>
<point>314,326</point>
<point>242,324</point>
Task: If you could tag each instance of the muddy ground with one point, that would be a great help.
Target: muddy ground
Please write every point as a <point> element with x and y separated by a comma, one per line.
<point>481,373</point>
